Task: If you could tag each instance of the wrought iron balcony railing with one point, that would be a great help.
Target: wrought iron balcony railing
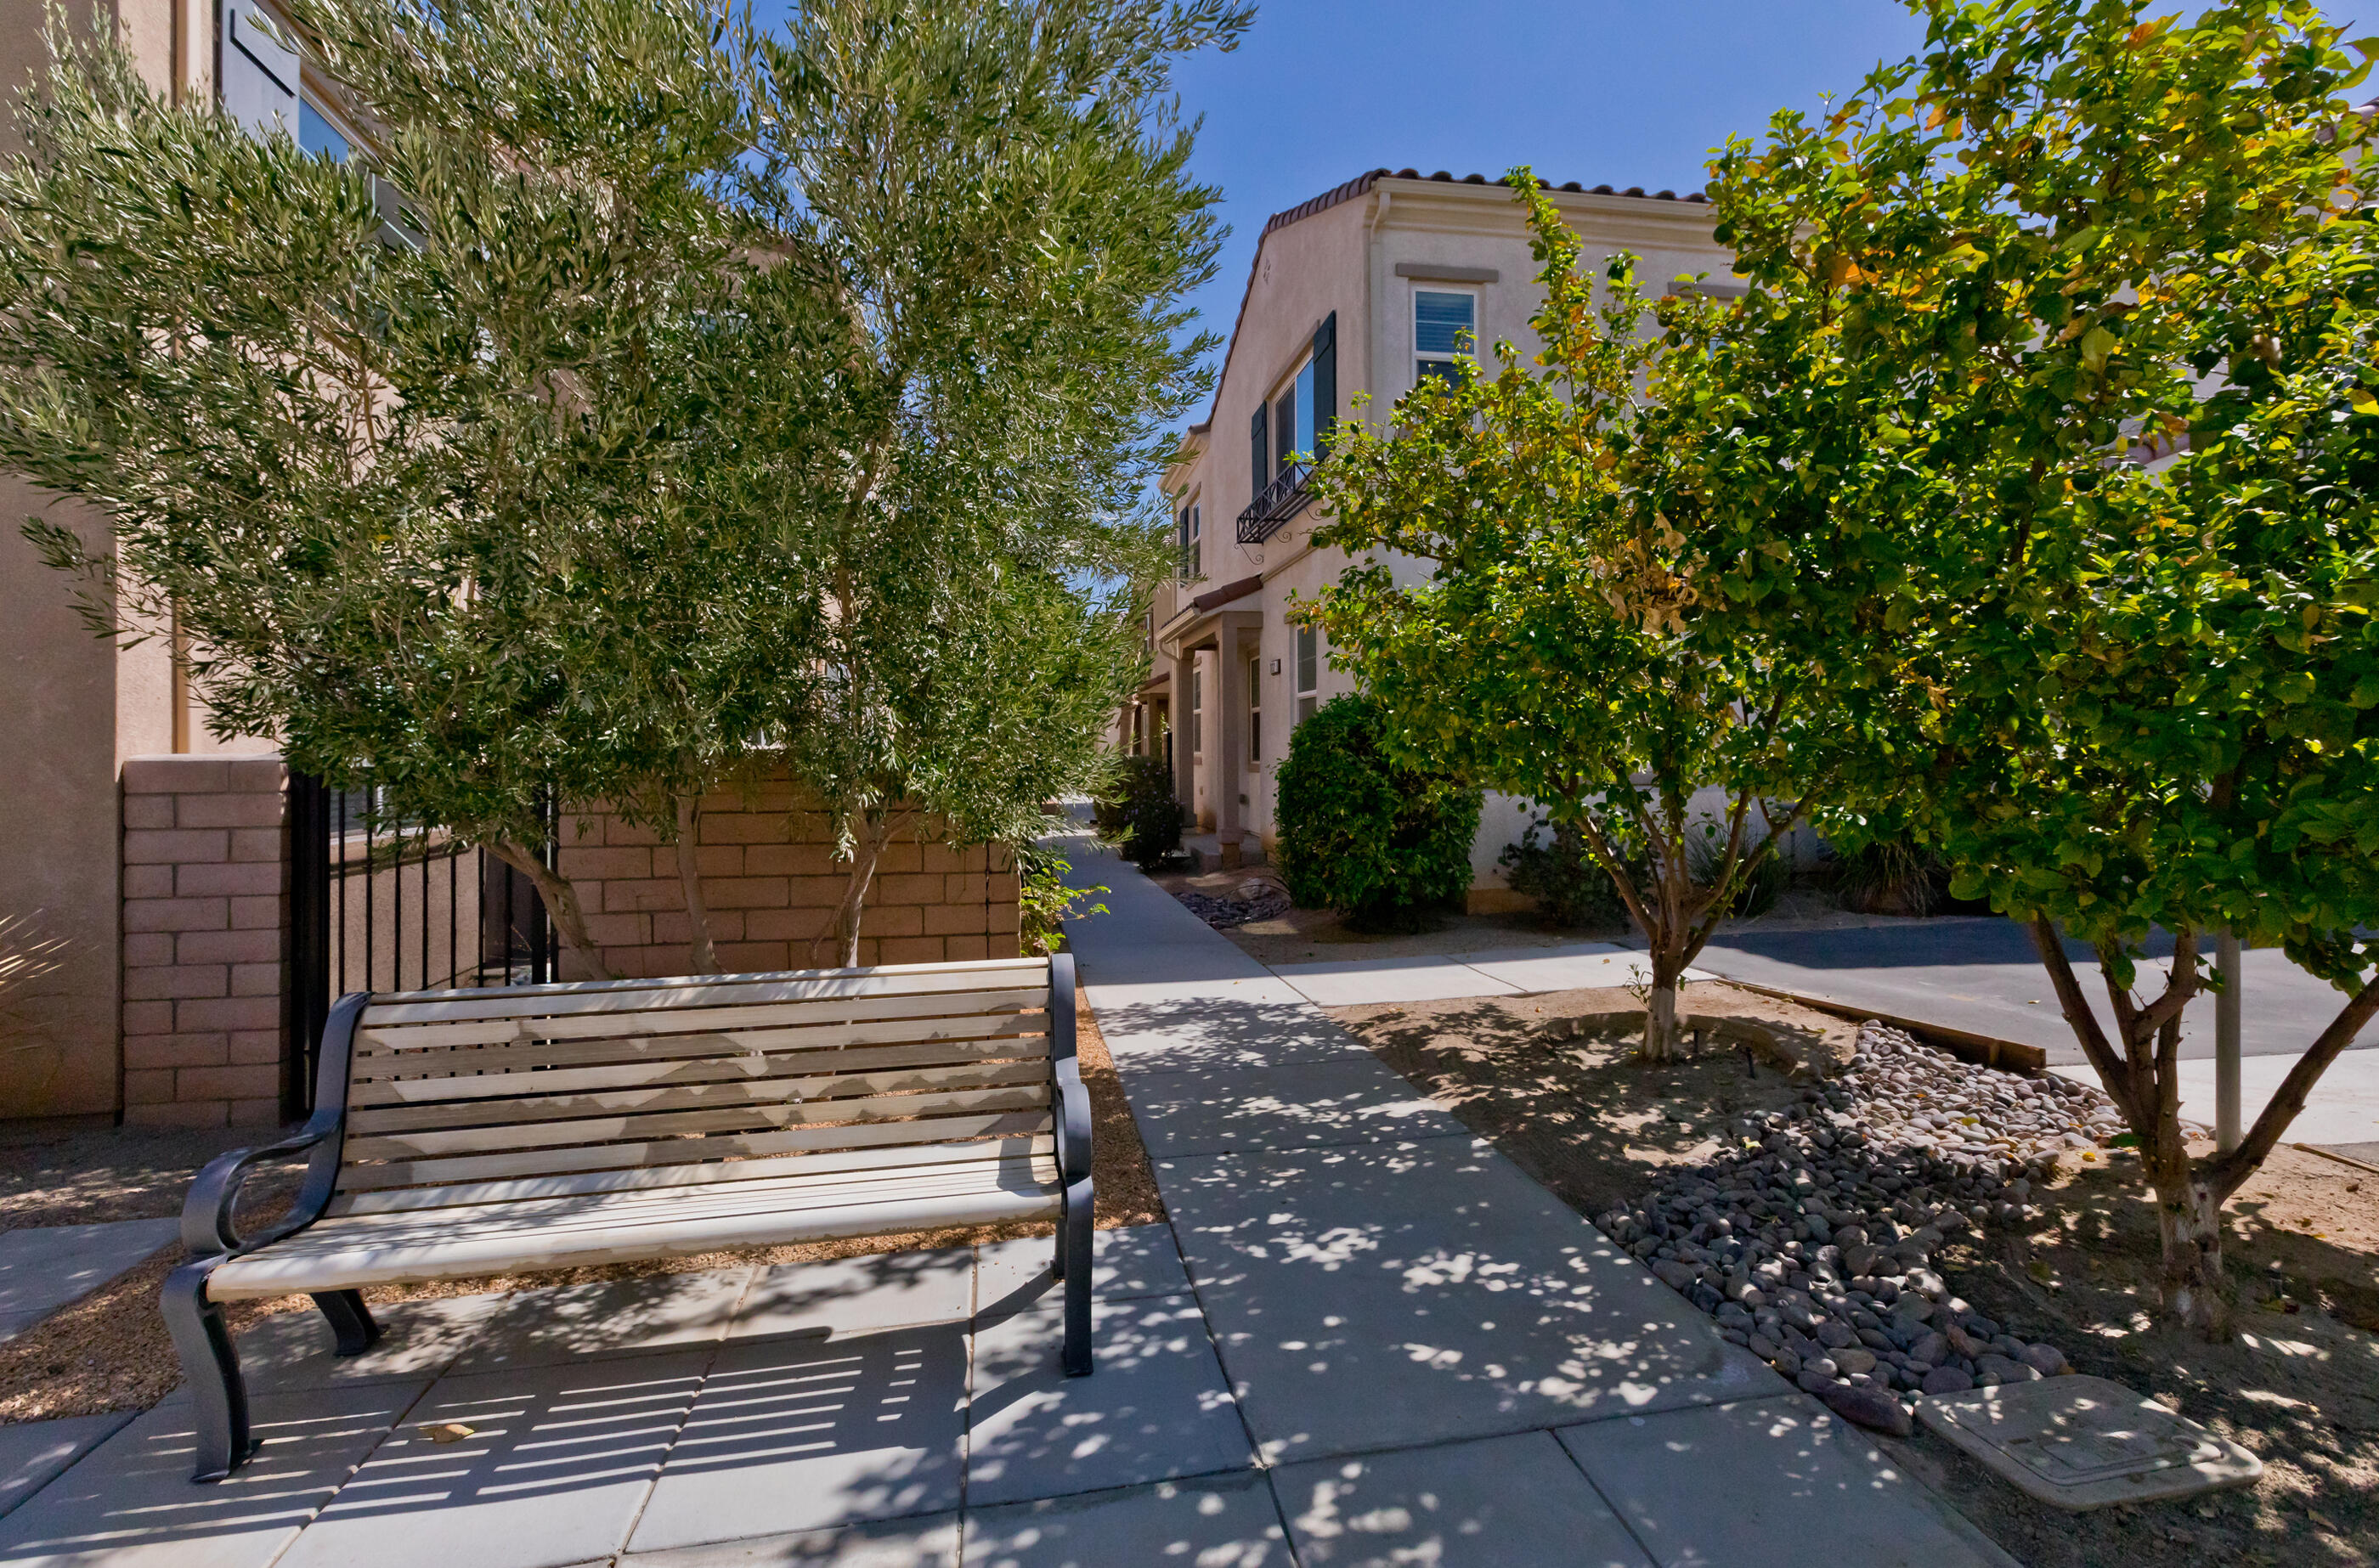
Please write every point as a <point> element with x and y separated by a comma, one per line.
<point>1282,500</point>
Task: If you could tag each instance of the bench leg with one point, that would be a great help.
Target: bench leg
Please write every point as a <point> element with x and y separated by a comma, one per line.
<point>1074,1264</point>
<point>350,1320</point>
<point>211,1366</point>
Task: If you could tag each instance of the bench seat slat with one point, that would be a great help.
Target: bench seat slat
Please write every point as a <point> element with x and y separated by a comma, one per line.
<point>659,1205</point>
<point>599,1129</point>
<point>811,1088</point>
<point>344,1254</point>
<point>602,1065</point>
<point>783,1066</point>
<point>688,1151</point>
<point>694,995</point>
<point>372,1041</point>
<point>667,1177</point>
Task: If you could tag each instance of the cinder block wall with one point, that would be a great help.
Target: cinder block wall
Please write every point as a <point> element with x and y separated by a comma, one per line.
<point>770,876</point>
<point>205,917</point>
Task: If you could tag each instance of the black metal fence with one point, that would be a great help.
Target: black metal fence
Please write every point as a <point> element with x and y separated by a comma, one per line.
<point>377,903</point>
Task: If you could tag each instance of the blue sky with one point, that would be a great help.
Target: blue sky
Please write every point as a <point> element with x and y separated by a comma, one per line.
<point>1632,93</point>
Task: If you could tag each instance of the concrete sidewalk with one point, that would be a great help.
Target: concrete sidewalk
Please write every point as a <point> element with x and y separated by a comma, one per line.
<point>1436,1360</point>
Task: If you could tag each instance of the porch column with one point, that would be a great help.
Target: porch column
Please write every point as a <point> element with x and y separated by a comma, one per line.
<point>1228,702</point>
<point>1185,745</point>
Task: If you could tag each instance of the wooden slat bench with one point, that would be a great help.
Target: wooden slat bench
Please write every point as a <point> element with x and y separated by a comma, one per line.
<point>463,1133</point>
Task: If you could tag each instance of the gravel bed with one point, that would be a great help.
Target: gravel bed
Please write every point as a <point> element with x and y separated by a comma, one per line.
<point>1811,1242</point>
<point>1224,913</point>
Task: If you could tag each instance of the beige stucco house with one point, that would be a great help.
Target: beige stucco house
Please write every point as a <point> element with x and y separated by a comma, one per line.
<point>1361,290</point>
<point>75,708</point>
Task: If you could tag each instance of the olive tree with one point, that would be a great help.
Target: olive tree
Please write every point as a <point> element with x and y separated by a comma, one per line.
<point>2121,275</point>
<point>1000,196</point>
<point>431,485</point>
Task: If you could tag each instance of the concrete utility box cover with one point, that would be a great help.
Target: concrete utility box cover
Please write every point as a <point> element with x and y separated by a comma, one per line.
<point>2083,1442</point>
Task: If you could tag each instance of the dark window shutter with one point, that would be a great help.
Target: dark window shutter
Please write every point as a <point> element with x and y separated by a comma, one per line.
<point>1325,383</point>
<point>1284,428</point>
<point>260,70</point>
<point>1260,450</point>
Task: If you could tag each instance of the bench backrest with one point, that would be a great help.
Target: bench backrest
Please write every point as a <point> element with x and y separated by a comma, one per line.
<point>506,1085</point>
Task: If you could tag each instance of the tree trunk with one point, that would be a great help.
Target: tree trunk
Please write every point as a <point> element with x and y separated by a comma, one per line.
<point>705,956</point>
<point>867,847</point>
<point>561,903</point>
<point>1660,1009</point>
<point>2189,1214</point>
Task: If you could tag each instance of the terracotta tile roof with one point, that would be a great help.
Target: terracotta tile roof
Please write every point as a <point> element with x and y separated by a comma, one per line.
<point>1365,181</point>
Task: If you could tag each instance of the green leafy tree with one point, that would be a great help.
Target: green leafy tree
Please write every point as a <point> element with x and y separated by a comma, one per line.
<point>434,487</point>
<point>1001,196</point>
<point>2110,286</point>
<point>1562,647</point>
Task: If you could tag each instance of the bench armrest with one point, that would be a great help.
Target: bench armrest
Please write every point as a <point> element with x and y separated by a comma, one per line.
<point>209,1228</point>
<point>1071,1106</point>
<point>1070,1102</point>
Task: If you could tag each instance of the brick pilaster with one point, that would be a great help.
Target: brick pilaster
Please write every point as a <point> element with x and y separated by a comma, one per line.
<point>205,960</point>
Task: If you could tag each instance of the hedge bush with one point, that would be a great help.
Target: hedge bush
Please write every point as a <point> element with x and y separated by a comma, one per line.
<point>1139,812</point>
<point>1569,884</point>
<point>1383,845</point>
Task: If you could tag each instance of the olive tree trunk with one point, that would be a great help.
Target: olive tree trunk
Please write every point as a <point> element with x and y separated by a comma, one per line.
<point>703,955</point>
<point>561,905</point>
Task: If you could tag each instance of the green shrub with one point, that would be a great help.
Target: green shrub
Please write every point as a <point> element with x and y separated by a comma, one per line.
<point>1383,845</point>
<point>1894,875</point>
<point>1044,901</point>
<point>1754,896</point>
<point>1569,884</point>
<point>1139,814</point>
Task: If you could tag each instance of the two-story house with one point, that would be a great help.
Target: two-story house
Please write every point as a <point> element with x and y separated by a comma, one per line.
<point>1364,289</point>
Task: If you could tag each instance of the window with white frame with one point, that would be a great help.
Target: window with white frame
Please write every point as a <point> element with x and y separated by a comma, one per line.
<point>1309,672</point>
<point>1196,711</point>
<point>1294,419</point>
<point>1255,711</point>
<point>1446,331</point>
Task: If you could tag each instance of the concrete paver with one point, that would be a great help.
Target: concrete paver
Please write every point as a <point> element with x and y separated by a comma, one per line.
<point>1150,1033</point>
<point>1221,1522</point>
<point>534,1467</point>
<point>799,1434</point>
<point>870,1293</point>
<point>1297,1105</point>
<point>1424,977</point>
<point>1576,967</point>
<point>898,1543</point>
<point>1155,1408</point>
<point>1378,1296</point>
<point>419,1341</point>
<point>34,1453</point>
<point>1133,1260</point>
<point>1497,1502</point>
<point>131,1503</point>
<point>43,1268</point>
<point>1776,1482</point>
<point>570,1322</point>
